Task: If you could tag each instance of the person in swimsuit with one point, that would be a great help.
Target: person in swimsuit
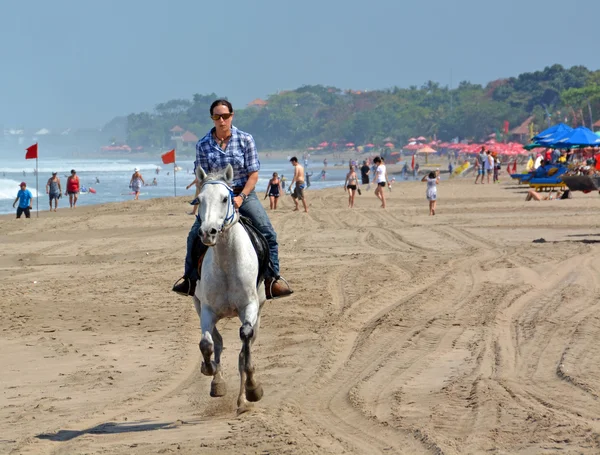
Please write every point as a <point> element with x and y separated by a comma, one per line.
<point>136,183</point>
<point>351,185</point>
<point>53,190</point>
<point>73,188</point>
<point>274,190</point>
<point>298,193</point>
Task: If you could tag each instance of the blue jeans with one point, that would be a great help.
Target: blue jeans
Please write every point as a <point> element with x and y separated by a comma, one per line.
<point>252,209</point>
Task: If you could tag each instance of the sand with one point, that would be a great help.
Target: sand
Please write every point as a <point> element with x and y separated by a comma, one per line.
<point>406,333</point>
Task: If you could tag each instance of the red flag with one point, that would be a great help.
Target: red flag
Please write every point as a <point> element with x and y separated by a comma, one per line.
<point>412,164</point>
<point>506,126</point>
<point>168,157</point>
<point>31,152</point>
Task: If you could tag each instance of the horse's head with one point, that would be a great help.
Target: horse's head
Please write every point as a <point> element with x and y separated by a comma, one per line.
<point>216,210</point>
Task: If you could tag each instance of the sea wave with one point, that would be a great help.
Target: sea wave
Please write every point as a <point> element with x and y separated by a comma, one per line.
<point>9,189</point>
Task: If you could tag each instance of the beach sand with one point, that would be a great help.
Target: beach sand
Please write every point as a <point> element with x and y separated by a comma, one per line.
<point>406,333</point>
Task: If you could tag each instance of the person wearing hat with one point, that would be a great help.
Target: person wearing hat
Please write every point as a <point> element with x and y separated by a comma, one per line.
<point>53,190</point>
<point>136,183</point>
<point>24,197</point>
<point>73,188</point>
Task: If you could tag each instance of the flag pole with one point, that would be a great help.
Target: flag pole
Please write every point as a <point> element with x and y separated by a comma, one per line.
<point>174,178</point>
<point>37,192</point>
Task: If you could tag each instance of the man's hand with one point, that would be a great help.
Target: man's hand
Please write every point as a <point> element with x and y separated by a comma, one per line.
<point>238,201</point>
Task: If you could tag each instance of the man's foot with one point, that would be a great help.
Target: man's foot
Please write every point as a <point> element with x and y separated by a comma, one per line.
<point>185,286</point>
<point>276,288</point>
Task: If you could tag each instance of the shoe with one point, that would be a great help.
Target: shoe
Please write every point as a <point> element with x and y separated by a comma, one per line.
<point>276,288</point>
<point>185,286</point>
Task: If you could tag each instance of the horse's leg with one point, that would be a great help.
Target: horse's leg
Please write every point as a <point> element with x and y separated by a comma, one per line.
<point>207,324</point>
<point>248,333</point>
<point>218,386</point>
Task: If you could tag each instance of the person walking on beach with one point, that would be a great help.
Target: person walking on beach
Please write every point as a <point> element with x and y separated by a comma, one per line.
<point>73,188</point>
<point>298,193</point>
<point>274,190</point>
<point>380,180</point>
<point>53,190</point>
<point>351,186</point>
<point>225,145</point>
<point>364,175</point>
<point>433,179</point>
<point>25,199</point>
<point>136,183</point>
<point>496,169</point>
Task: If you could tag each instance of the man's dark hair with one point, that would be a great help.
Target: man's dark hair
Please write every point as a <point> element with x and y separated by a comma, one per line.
<point>376,160</point>
<point>221,103</point>
<point>293,159</point>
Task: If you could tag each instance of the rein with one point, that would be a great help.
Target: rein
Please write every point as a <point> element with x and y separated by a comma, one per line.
<point>230,219</point>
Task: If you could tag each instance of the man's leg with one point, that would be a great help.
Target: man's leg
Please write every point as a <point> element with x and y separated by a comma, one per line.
<point>253,209</point>
<point>187,286</point>
<point>19,212</point>
<point>27,212</point>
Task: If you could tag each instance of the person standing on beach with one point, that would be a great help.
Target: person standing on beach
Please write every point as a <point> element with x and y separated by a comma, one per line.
<point>380,180</point>
<point>351,185</point>
<point>480,165</point>
<point>364,175</point>
<point>53,190</point>
<point>433,179</point>
<point>136,183</point>
<point>274,190</point>
<point>25,198</point>
<point>298,193</point>
<point>225,145</point>
<point>73,188</point>
<point>489,165</point>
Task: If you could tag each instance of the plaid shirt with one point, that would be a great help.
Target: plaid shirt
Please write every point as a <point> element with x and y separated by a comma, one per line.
<point>240,153</point>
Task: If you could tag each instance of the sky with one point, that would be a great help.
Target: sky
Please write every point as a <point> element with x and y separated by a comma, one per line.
<point>79,63</point>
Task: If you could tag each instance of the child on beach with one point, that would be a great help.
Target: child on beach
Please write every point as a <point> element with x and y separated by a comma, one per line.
<point>432,181</point>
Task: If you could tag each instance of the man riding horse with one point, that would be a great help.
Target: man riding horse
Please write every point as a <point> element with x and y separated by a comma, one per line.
<point>224,145</point>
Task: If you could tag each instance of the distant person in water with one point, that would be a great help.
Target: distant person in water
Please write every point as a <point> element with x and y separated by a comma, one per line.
<point>53,190</point>
<point>73,188</point>
<point>136,183</point>
<point>308,175</point>
<point>273,191</point>
<point>97,180</point>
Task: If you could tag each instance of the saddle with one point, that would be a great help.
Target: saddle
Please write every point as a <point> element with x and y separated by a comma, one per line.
<point>259,242</point>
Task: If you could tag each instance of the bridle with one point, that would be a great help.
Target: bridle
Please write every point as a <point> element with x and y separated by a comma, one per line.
<point>230,216</point>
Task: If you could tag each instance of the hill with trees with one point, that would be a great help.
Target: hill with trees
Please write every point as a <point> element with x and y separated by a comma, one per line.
<point>312,114</point>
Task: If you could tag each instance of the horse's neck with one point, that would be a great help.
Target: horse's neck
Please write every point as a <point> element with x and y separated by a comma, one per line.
<point>232,243</point>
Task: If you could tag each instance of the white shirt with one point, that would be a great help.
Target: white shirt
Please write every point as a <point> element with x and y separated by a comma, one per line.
<point>489,163</point>
<point>380,173</point>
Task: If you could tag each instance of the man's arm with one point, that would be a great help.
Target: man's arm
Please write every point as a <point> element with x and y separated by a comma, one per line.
<point>17,198</point>
<point>47,186</point>
<point>251,183</point>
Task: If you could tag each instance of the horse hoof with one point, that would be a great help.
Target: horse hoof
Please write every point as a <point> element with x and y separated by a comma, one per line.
<point>208,369</point>
<point>218,389</point>
<point>254,394</point>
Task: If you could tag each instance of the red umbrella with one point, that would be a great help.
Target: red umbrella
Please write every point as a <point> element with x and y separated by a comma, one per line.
<point>350,144</point>
<point>412,139</point>
<point>412,147</point>
<point>370,145</point>
<point>323,144</point>
<point>421,138</point>
<point>388,144</point>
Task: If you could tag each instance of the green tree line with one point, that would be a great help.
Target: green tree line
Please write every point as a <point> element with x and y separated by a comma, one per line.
<point>312,114</point>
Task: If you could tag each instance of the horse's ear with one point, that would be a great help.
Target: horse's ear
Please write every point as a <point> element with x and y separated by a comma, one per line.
<point>200,174</point>
<point>228,175</point>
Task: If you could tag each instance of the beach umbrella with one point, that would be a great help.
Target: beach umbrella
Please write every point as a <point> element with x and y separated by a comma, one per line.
<point>323,144</point>
<point>427,150</point>
<point>412,147</point>
<point>388,144</point>
<point>579,137</point>
<point>350,144</point>
<point>412,139</point>
<point>421,138</point>
<point>554,131</point>
<point>370,145</point>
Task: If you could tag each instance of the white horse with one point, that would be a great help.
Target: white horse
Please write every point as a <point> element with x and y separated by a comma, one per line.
<point>228,284</point>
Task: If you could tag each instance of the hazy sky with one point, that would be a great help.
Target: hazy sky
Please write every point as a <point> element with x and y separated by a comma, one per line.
<point>81,62</point>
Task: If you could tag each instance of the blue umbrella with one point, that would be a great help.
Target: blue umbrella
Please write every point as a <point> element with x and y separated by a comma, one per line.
<point>554,131</point>
<point>580,137</point>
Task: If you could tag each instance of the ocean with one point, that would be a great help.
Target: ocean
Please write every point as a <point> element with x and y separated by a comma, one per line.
<point>114,175</point>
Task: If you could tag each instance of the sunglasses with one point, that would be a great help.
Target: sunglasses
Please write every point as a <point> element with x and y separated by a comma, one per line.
<point>216,117</point>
